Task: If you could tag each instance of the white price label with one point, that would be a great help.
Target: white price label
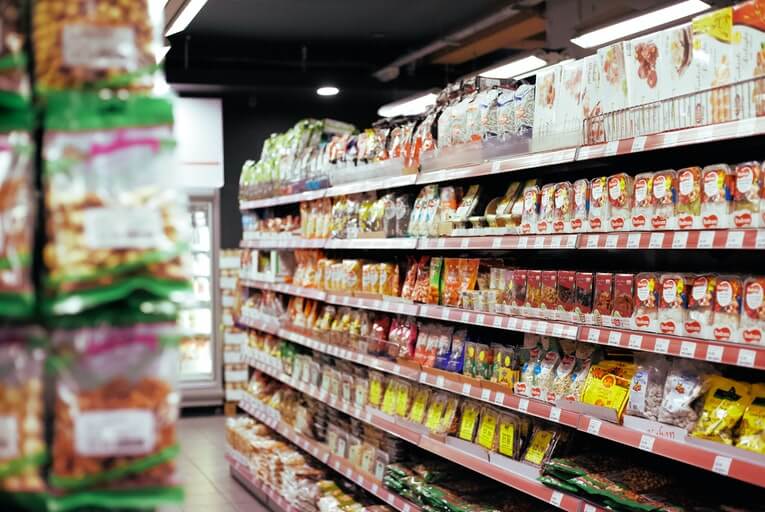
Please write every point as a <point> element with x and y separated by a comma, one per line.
<point>527,326</point>
<point>555,242</point>
<point>557,330</point>
<point>400,307</point>
<point>706,240</point>
<point>611,148</point>
<point>714,353</point>
<point>539,242</point>
<point>464,243</point>
<point>636,341</point>
<point>465,317</point>
<point>480,319</point>
<point>485,394</point>
<point>688,349</point>
<point>496,243</point>
<point>466,387</point>
<point>497,321</point>
<point>523,242</point>
<point>735,240</point>
<point>499,398</point>
<point>612,241</point>
<point>556,499</point>
<point>745,357</point>
<point>646,443</point>
<point>444,313</point>
<point>523,405</point>
<point>614,338</point>
<point>593,335</point>
<point>406,508</point>
<point>374,488</point>
<point>759,242</point>
<point>633,240</point>
<point>661,345</point>
<point>656,241</point>
<point>423,378</point>
<point>589,508</point>
<point>593,427</point>
<point>396,369</point>
<point>638,143</point>
<point>680,240</point>
<point>496,166</point>
<point>721,465</point>
<point>439,381</point>
<point>441,243</point>
<point>554,414</point>
<point>348,473</point>
<point>592,241</point>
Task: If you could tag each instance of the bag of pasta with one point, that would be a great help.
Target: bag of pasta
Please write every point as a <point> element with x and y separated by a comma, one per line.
<point>17,214</point>
<point>116,224</point>
<point>22,437</point>
<point>116,408</point>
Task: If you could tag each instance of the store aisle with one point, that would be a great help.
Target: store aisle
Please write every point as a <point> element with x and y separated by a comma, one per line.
<point>205,472</point>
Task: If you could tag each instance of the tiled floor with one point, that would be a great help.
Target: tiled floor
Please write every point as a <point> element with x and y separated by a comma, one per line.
<point>209,486</point>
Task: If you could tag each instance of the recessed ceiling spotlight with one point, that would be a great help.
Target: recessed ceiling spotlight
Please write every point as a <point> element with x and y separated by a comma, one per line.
<point>327,90</point>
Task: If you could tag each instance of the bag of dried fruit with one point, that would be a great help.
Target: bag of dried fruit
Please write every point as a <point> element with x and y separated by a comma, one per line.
<point>116,224</point>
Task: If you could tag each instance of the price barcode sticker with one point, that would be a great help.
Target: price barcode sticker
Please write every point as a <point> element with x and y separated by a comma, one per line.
<point>646,443</point>
<point>441,243</point>
<point>735,240</point>
<point>439,381</point>
<point>523,242</point>
<point>523,405</point>
<point>464,243</point>
<point>466,387</point>
<point>480,319</point>
<point>496,166</point>
<point>593,427</point>
<point>706,240</point>
<point>611,148</point>
<point>555,414</point>
<point>661,345</point>
<point>589,508</point>
<point>759,242</point>
<point>614,338</point>
<point>656,241</point>
<point>348,473</point>
<point>746,127</point>
<point>592,241</point>
<point>557,330</point>
<point>556,499</point>
<point>400,307</point>
<point>721,465</point>
<point>497,321</point>
<point>638,143</point>
<point>680,240</point>
<point>527,326</point>
<point>555,242</point>
<point>593,335</point>
<point>714,353</point>
<point>465,317</point>
<point>423,378</point>
<point>635,341</point>
<point>496,243</point>
<point>499,398</point>
<point>539,242</point>
<point>444,313</point>
<point>374,488</point>
<point>485,394</point>
<point>745,357</point>
<point>612,241</point>
<point>396,369</point>
<point>688,349</point>
<point>406,507</point>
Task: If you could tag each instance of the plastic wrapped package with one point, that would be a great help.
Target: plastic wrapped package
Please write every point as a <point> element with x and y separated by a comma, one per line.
<point>469,419</point>
<point>608,385</point>
<point>486,435</point>
<point>727,308</point>
<point>716,194</point>
<point>530,215</point>
<point>688,208</point>
<point>581,205</point>
<point>686,382</point>
<point>563,207</point>
<point>116,222</point>
<point>620,201</point>
<point>753,314</point>
<point>94,44</point>
<point>745,195</point>
<point>642,201</point>
<point>402,210</point>
<point>664,198</point>
<point>584,292</point>
<point>647,388</point>
<point>549,290</point>
<point>599,204</point>
<point>520,280</point>
<point>603,293</point>
<point>546,215</point>
<point>523,109</point>
<point>672,302</point>
<point>506,113</point>
<point>623,296</point>
<point>542,444</point>
<point>724,405</point>
<point>509,434</point>
<point>751,431</point>
<point>534,289</point>
<point>700,310</point>
<point>116,407</point>
<point>457,355</point>
<point>419,404</point>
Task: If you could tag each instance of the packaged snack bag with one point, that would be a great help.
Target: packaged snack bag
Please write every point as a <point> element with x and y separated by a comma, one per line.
<point>546,209</point>
<point>664,198</point>
<point>14,80</point>
<point>581,205</point>
<point>419,404</point>
<point>686,382</point>
<point>753,317</point>
<point>584,290</point>
<point>701,297</point>
<point>469,420</point>
<point>646,301</point>
<point>727,308</point>
<point>623,305</point>
<point>642,201</point>
<point>116,407</point>
<point>403,211</point>
<point>509,434</point>
<point>751,431</point>
<point>608,385</point>
<point>647,387</point>
<point>620,200</point>
<point>450,282</point>
<point>716,195</point>
<point>549,292</point>
<point>724,405</point>
<point>746,195</point>
<point>563,205</point>
<point>603,293</point>
<point>600,210</point>
<point>407,289</point>
<point>531,203</point>
<point>486,436</point>
<point>542,444</point>
<point>116,222</point>
<point>520,279</point>
<point>534,289</point>
<point>672,302</point>
<point>566,290</point>
<point>688,208</point>
<point>457,356</point>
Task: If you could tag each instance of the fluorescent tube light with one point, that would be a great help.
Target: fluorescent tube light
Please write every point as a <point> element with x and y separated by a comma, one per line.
<point>185,15</point>
<point>640,23</point>
<point>327,90</point>
<point>541,70</point>
<point>161,53</point>
<point>514,68</point>
<point>409,106</point>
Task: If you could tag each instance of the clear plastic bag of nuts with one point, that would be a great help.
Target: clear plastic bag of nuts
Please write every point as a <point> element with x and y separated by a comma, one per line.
<point>116,222</point>
<point>22,428</point>
<point>116,407</point>
<point>80,44</point>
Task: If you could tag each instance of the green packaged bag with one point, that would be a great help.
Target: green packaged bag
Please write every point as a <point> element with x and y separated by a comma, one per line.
<point>15,90</point>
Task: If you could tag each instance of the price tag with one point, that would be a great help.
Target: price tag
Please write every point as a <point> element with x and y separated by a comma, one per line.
<point>441,243</point>
<point>593,427</point>
<point>526,326</point>
<point>706,240</point>
<point>555,242</point>
<point>496,166</point>
<point>555,414</point>
<point>465,317</point>
<point>557,330</point>
<point>423,378</point>
<point>735,240</point>
<point>661,345</point>
<point>636,341</point>
<point>496,243</point>
<point>400,307</point>
<point>480,319</point>
<point>646,443</point>
<point>523,242</point>
<point>444,313</point>
<point>439,381</point>
<point>497,321</point>
<point>464,243</point>
<point>614,338</point>
<point>556,499</point>
<point>746,127</point>
<point>348,473</point>
<point>721,465</point>
<point>485,394</point>
<point>593,335</point>
<point>714,353</point>
<point>523,405</point>
<point>512,324</point>
<point>656,241</point>
<point>499,398</point>
<point>759,242</point>
<point>539,242</point>
<point>397,369</point>
<point>638,143</point>
<point>688,349</point>
<point>745,357</point>
<point>406,508</point>
<point>611,148</point>
<point>592,241</point>
<point>325,457</point>
<point>374,488</point>
<point>680,240</point>
<point>466,387</point>
<point>571,241</point>
<point>612,241</point>
<point>589,508</point>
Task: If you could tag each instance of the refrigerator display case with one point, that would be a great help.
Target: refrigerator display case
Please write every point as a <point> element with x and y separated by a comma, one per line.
<point>201,349</point>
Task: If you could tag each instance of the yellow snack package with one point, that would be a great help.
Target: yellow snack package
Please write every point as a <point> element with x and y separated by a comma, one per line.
<point>724,406</point>
<point>751,432</point>
<point>419,405</point>
<point>435,411</point>
<point>468,421</point>
<point>608,385</point>
<point>375,389</point>
<point>403,399</point>
<point>487,429</point>
<point>508,435</point>
<point>541,445</point>
<point>448,423</point>
<point>390,398</point>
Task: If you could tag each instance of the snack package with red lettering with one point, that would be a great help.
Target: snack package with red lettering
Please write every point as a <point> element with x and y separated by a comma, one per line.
<point>700,310</point>
<point>407,289</point>
<point>566,290</point>
<point>581,206</point>
<point>688,207</point>
<point>584,284</point>
<point>716,187</point>
<point>664,198</point>
<point>620,200</point>
<point>623,305</point>
<point>563,207</point>
<point>646,302</point>
<point>727,308</point>
<point>422,283</point>
<point>746,195</point>
<point>379,340</point>
<point>450,283</point>
<point>546,209</point>
<point>642,201</point>
<point>599,206</point>
<point>520,277</point>
<point>534,289</point>
<point>603,293</point>
<point>530,215</point>
<point>549,293</point>
<point>753,317</point>
<point>672,302</point>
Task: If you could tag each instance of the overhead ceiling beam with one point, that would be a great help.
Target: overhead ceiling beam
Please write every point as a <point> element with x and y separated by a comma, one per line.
<point>503,35</point>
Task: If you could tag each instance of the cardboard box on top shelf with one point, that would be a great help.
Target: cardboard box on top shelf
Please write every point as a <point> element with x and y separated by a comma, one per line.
<point>591,104</point>
<point>647,75</point>
<point>546,97</point>
<point>749,57</point>
<point>569,113</point>
<point>614,91</point>
<point>676,49</point>
<point>713,54</point>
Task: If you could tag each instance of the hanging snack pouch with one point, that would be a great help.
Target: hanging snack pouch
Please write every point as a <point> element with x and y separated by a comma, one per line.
<point>456,360</point>
<point>509,433</point>
<point>716,196</point>
<point>603,294</point>
<point>563,207</point>
<point>584,291</point>
<point>566,291</point>
<point>745,206</point>
<point>541,445</point>
<point>664,198</point>
<point>486,436</point>
<point>753,316</point>
<point>561,384</point>
<point>22,417</point>
<point>549,293</point>
<point>469,420</point>
<point>546,209</point>
<point>422,283</point>
<point>116,221</point>
<point>96,44</point>
<point>520,280</point>
<point>620,201</point>
<point>376,380</point>
<point>608,385</point>
<point>544,373</point>
<point>484,361</point>
<point>529,363</point>
<point>389,280</point>
<point>534,289</point>
<point>581,206</point>
<point>599,205</point>
<point>751,431</point>
<point>435,411</point>
<point>506,113</point>
<point>688,207</point>
<point>17,207</point>
<point>647,387</point>
<point>530,215</point>
<point>116,407</point>
<point>471,353</point>
<point>468,273</point>
<point>450,283</point>
<point>686,382</point>
<point>727,308</point>
<point>14,80</point>
<point>434,281</point>
<point>646,314</point>
<point>448,423</point>
<point>419,404</point>
<point>724,405</point>
<point>504,371</point>
<point>672,302</point>
<point>623,305</point>
<point>403,211</point>
<point>642,201</point>
<point>410,280</point>
<point>700,310</point>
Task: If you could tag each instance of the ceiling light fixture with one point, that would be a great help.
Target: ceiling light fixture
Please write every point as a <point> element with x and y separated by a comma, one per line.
<point>640,23</point>
<point>514,68</point>
<point>541,70</point>
<point>409,106</point>
<point>327,90</point>
<point>161,53</point>
<point>187,13</point>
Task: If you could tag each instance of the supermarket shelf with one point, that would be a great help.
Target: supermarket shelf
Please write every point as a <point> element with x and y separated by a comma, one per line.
<point>322,453</point>
<point>722,239</point>
<point>265,493</point>
<point>290,289</point>
<point>374,184</point>
<point>390,305</point>
<point>267,325</point>
<point>500,242</point>
<point>282,243</point>
<point>308,195</point>
<point>372,243</point>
